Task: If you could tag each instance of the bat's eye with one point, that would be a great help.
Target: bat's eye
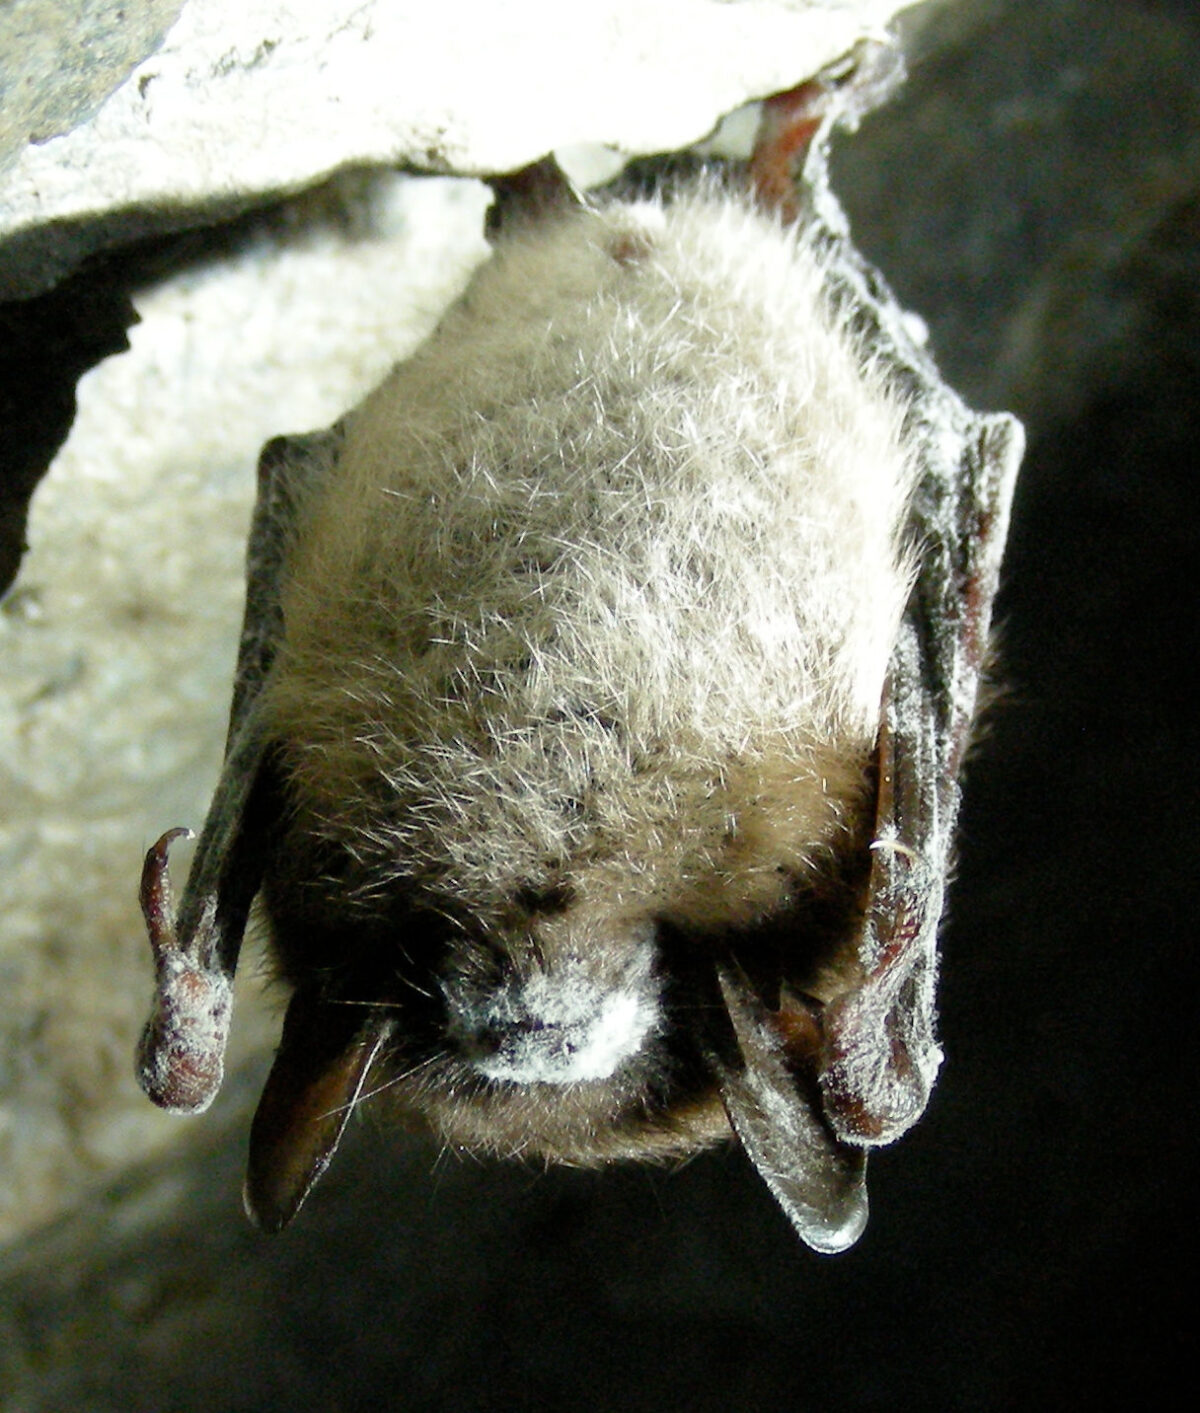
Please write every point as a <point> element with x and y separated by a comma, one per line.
<point>556,1026</point>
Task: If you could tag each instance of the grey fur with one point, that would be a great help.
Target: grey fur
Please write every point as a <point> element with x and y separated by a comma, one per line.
<point>650,597</point>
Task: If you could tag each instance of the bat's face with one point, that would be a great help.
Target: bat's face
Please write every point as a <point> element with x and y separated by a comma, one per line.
<point>546,1030</point>
<point>555,1005</point>
<point>574,1017</point>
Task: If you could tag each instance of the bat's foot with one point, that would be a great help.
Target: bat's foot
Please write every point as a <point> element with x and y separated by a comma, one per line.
<point>180,1058</point>
<point>791,120</point>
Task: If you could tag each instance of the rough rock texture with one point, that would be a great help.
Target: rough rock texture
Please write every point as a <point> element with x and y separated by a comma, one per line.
<point>249,97</point>
<point>1034,195</point>
<point>60,59</point>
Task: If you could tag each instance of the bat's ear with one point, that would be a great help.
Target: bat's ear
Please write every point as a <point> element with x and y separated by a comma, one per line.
<point>774,1104</point>
<point>319,1074</point>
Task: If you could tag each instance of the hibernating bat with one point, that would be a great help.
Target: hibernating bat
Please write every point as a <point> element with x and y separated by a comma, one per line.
<point>600,704</point>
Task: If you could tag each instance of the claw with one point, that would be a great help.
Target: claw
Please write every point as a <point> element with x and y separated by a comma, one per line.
<point>180,1058</point>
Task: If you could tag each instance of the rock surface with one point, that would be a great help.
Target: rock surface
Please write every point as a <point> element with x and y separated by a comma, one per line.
<point>60,59</point>
<point>245,98</point>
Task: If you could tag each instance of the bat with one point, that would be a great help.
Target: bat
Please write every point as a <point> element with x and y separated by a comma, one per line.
<point>604,684</point>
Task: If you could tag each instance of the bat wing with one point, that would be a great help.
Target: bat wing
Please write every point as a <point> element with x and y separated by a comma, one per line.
<point>815,1085</point>
<point>180,1056</point>
<point>880,1055</point>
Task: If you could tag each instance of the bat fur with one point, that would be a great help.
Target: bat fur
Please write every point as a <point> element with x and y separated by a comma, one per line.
<point>604,684</point>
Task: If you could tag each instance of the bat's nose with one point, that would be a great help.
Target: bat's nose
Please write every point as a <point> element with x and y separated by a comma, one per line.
<point>532,1051</point>
<point>552,1029</point>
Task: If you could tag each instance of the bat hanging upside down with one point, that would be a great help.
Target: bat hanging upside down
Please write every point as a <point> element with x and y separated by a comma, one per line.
<point>603,688</point>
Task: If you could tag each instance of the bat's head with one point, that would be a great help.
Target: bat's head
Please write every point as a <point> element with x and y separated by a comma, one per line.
<point>575,1004</point>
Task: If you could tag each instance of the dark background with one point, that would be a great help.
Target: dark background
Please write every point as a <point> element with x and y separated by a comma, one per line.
<point>1035,194</point>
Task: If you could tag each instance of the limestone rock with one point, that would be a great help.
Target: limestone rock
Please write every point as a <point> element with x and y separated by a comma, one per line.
<point>250,97</point>
<point>60,59</point>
